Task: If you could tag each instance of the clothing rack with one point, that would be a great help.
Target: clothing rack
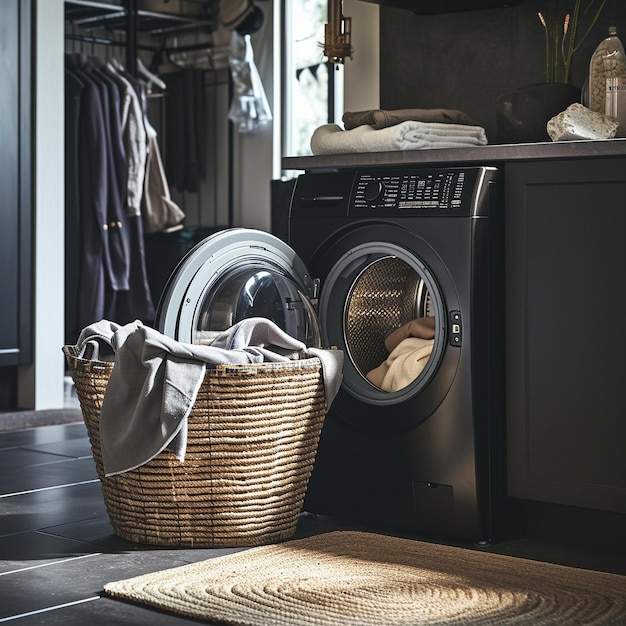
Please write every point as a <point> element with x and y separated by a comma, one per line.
<point>124,26</point>
<point>129,22</point>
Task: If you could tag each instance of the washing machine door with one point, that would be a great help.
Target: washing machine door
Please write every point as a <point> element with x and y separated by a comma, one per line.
<point>375,278</point>
<point>384,307</point>
<point>233,275</point>
<point>386,310</point>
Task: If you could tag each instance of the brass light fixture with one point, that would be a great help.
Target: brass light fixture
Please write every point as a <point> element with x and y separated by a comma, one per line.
<point>337,33</point>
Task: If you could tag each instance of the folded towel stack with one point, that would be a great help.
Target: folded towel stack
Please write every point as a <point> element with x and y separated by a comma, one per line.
<point>409,135</point>
<point>379,118</point>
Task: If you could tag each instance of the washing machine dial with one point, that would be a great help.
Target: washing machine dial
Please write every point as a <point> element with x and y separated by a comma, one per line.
<point>374,191</point>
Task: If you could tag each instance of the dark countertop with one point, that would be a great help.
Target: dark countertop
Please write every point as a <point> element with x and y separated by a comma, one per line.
<point>485,155</point>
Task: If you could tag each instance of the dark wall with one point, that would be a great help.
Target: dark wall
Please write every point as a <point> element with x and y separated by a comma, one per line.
<point>465,60</point>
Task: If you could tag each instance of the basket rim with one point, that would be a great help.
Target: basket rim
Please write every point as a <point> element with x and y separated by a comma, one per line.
<point>72,354</point>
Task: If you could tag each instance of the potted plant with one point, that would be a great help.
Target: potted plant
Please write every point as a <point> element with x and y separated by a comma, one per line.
<point>564,34</point>
<point>522,114</point>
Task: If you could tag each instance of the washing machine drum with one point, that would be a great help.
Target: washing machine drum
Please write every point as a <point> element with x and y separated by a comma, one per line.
<point>234,275</point>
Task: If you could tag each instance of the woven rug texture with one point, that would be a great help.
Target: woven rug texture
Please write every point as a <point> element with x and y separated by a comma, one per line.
<point>347,578</point>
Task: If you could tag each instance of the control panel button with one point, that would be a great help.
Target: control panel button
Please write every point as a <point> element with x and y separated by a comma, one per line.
<point>456,328</point>
<point>373,191</point>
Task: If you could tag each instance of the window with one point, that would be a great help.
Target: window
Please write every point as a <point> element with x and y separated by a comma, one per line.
<point>312,87</point>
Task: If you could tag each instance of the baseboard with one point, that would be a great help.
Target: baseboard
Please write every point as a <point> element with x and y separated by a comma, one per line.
<point>577,527</point>
<point>21,420</point>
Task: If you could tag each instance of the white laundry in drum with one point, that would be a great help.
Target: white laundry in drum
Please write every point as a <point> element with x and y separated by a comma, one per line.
<point>410,347</point>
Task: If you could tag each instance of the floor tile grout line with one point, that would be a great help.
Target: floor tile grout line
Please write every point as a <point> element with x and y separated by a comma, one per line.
<point>55,459</point>
<point>62,459</point>
<point>28,491</point>
<point>51,563</point>
<point>48,609</point>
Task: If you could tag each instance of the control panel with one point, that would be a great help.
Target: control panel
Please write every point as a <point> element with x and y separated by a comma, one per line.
<point>395,192</point>
<point>429,189</point>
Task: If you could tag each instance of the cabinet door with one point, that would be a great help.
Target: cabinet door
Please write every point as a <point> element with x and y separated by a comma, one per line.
<point>15,248</point>
<point>566,345</point>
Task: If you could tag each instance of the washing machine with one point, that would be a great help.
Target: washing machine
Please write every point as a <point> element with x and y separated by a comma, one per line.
<point>401,269</point>
<point>386,249</point>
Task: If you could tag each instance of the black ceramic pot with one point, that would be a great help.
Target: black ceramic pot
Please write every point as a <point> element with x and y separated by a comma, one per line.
<point>522,115</point>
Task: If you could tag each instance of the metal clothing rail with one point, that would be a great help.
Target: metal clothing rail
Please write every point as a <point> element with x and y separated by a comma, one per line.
<point>104,41</point>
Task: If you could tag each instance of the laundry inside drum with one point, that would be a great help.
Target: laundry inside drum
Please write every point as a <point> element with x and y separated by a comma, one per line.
<point>389,324</point>
<point>256,289</point>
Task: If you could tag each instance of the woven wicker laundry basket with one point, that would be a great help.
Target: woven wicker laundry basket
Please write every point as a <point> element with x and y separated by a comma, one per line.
<point>252,440</point>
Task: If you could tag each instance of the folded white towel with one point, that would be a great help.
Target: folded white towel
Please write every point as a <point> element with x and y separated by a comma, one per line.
<point>410,135</point>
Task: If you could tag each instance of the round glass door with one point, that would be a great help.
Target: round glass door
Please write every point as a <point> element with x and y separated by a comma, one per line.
<point>255,288</point>
<point>233,275</point>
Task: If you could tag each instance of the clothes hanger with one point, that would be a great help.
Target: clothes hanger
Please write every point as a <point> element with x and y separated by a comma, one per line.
<point>149,76</point>
<point>117,64</point>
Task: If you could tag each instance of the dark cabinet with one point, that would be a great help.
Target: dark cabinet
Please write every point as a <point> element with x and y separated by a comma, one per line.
<point>15,183</point>
<point>434,7</point>
<point>566,345</point>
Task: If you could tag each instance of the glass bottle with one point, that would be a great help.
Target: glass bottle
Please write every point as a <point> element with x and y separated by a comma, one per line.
<point>607,80</point>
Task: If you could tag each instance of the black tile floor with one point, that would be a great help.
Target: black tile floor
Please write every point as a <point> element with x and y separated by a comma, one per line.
<point>57,549</point>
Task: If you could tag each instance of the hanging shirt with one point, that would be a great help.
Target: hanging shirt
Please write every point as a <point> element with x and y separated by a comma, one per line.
<point>160,212</point>
<point>135,141</point>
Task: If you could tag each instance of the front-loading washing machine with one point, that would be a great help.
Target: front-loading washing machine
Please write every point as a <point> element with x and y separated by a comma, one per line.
<point>402,270</point>
<point>421,447</point>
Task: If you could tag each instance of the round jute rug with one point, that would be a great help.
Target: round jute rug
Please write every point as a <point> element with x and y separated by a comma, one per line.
<point>353,578</point>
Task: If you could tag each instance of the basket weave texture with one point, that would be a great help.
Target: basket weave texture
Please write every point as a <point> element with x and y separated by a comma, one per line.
<point>252,439</point>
